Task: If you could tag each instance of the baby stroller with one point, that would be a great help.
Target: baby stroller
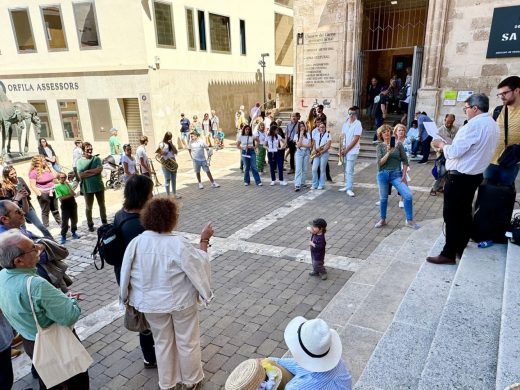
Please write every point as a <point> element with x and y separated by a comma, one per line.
<point>115,173</point>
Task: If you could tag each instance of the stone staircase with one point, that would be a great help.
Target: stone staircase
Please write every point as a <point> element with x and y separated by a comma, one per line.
<point>457,327</point>
<point>364,308</point>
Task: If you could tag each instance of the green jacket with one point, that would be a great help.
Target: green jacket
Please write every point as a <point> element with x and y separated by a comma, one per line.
<point>94,183</point>
<point>50,304</point>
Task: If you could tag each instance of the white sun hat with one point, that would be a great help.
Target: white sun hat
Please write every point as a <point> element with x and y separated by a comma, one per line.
<point>313,345</point>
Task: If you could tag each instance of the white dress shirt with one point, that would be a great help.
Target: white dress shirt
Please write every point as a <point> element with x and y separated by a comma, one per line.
<point>473,146</point>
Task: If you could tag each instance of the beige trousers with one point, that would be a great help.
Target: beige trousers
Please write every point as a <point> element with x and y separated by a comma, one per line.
<point>177,346</point>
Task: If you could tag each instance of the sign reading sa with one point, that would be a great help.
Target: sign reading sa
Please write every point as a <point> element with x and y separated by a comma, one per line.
<point>504,37</point>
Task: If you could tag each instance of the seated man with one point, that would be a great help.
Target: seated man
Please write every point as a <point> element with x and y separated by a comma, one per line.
<point>316,351</point>
<point>12,217</point>
<point>18,258</point>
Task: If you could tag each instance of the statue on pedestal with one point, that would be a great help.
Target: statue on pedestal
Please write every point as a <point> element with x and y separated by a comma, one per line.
<point>17,117</point>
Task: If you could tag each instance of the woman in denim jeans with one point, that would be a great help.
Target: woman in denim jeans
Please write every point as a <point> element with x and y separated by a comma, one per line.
<point>389,160</point>
<point>303,150</point>
<point>10,183</point>
<point>321,141</point>
<point>246,143</point>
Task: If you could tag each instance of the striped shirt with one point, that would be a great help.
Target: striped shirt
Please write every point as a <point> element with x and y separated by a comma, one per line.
<point>338,378</point>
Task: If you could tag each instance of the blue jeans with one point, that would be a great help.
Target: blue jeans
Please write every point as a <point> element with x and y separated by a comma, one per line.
<point>56,167</point>
<point>32,217</point>
<point>505,176</point>
<point>170,177</point>
<point>415,146</point>
<point>350,162</point>
<point>302,160</point>
<point>384,178</point>
<point>319,162</point>
<point>185,136</point>
<point>249,160</point>
<point>276,161</point>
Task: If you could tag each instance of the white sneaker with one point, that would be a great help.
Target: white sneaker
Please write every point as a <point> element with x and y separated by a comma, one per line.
<point>350,193</point>
<point>259,184</point>
<point>273,183</point>
<point>343,189</point>
<point>201,186</point>
<point>378,203</point>
<point>246,184</point>
<point>313,188</point>
<point>215,185</point>
<point>320,188</point>
<point>401,204</point>
<point>283,183</point>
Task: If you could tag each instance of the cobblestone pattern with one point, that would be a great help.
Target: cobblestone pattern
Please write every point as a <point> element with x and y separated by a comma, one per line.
<point>255,297</point>
<point>350,230</point>
<point>230,207</point>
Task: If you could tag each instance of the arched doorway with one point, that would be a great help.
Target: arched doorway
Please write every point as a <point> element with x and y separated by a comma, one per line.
<point>392,37</point>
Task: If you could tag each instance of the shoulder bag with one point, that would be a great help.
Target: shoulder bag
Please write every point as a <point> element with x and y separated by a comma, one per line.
<point>511,154</point>
<point>58,354</point>
<point>134,320</point>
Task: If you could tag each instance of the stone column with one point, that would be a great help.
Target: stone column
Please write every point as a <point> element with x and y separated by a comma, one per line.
<point>428,95</point>
<point>352,48</point>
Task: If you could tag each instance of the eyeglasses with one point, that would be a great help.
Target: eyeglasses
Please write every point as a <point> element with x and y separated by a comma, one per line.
<point>503,94</point>
<point>88,150</point>
<point>34,249</point>
<point>351,113</point>
<point>17,211</point>
<point>466,108</point>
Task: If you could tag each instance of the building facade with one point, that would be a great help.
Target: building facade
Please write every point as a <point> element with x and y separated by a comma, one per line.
<point>90,65</point>
<point>445,44</point>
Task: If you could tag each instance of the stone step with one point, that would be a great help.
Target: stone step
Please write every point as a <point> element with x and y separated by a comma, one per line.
<point>399,358</point>
<point>463,354</point>
<point>364,308</point>
<point>508,367</point>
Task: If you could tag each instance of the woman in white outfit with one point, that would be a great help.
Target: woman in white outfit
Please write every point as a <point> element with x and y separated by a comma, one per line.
<point>164,277</point>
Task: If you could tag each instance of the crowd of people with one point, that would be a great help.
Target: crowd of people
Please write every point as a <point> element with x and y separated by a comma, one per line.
<point>163,278</point>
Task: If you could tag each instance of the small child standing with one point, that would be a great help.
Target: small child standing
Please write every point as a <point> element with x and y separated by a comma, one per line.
<point>317,243</point>
<point>69,208</point>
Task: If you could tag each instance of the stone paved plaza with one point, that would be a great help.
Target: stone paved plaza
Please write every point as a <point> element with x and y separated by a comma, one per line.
<point>260,264</point>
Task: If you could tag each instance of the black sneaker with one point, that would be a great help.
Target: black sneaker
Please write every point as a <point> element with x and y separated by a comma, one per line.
<point>296,189</point>
<point>91,229</point>
<point>149,365</point>
<point>313,273</point>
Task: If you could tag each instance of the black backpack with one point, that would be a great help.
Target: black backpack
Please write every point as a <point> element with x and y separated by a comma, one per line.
<point>110,244</point>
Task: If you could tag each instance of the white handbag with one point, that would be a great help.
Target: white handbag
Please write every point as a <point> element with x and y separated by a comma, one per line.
<point>58,354</point>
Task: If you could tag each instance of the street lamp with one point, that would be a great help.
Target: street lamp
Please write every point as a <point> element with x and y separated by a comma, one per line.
<point>262,64</point>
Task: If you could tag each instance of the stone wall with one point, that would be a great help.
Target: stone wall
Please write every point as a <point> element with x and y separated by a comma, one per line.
<point>320,58</point>
<point>463,63</point>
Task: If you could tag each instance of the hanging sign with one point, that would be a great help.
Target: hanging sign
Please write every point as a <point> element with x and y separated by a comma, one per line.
<point>504,36</point>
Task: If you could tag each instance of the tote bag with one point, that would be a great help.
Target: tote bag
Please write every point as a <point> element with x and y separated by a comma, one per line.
<point>58,354</point>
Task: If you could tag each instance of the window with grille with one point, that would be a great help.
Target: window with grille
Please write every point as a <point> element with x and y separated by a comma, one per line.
<point>220,35</point>
<point>164,30</point>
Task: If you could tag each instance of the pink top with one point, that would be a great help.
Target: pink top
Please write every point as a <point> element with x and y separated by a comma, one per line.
<point>44,182</point>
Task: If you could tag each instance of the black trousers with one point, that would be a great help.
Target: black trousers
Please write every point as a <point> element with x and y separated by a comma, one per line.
<point>77,382</point>
<point>6,369</point>
<point>69,210</point>
<point>145,338</point>
<point>426,146</point>
<point>89,202</point>
<point>459,191</point>
<point>292,151</point>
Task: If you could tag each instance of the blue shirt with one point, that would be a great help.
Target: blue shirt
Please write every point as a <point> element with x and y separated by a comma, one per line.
<point>185,125</point>
<point>338,378</point>
<point>422,131</point>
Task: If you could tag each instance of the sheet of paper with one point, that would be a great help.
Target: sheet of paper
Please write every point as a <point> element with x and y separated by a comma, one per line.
<point>431,129</point>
